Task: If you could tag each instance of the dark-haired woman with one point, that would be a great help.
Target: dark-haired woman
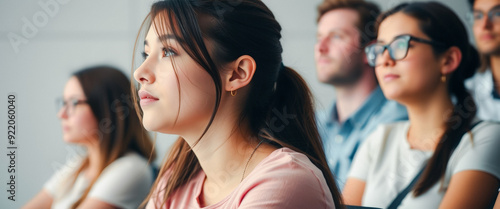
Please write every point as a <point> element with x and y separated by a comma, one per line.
<point>248,138</point>
<point>421,59</point>
<point>97,113</point>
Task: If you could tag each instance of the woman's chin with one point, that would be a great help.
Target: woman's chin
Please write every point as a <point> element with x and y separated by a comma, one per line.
<point>391,96</point>
<point>391,93</point>
<point>165,126</point>
<point>72,140</point>
<point>150,124</point>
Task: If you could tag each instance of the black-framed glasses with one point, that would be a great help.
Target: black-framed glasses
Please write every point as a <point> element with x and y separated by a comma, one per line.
<point>398,48</point>
<point>493,15</point>
<point>69,105</point>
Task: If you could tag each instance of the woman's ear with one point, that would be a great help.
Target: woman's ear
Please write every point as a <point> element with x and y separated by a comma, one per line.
<point>240,73</point>
<point>451,60</point>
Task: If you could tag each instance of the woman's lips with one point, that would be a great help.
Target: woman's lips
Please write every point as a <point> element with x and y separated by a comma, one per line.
<point>146,98</point>
<point>324,60</point>
<point>486,37</point>
<point>390,77</point>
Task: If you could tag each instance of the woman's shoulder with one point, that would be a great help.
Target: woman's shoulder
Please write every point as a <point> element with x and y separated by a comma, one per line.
<point>486,127</point>
<point>287,165</point>
<point>62,174</point>
<point>131,163</point>
<point>129,170</point>
<point>129,174</point>
<point>478,150</point>
<point>130,158</point>
<point>483,132</point>
<point>287,178</point>
<point>285,160</point>
<point>125,182</point>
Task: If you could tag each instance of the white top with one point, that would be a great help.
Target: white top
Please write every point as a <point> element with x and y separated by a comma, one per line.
<point>124,183</point>
<point>387,163</point>
<point>481,86</point>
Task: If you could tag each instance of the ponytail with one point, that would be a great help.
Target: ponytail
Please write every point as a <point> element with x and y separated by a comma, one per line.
<point>291,123</point>
<point>457,125</point>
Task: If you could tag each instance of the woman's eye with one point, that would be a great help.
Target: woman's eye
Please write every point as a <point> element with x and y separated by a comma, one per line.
<point>144,55</point>
<point>477,15</point>
<point>167,52</point>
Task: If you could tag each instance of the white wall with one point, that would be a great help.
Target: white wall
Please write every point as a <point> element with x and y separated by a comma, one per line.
<point>82,33</point>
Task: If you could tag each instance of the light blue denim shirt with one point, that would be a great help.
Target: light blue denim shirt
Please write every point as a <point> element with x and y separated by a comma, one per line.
<point>341,141</point>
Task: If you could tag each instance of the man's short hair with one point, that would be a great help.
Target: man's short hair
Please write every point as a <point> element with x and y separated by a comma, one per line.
<point>367,11</point>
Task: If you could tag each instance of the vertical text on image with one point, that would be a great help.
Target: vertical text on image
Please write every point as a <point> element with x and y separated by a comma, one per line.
<point>11,146</point>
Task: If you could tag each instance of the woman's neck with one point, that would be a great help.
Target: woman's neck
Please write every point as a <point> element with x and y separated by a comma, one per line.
<point>495,71</point>
<point>428,120</point>
<point>224,154</point>
<point>95,162</point>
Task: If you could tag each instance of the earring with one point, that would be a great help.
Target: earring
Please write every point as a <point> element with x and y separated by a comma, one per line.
<point>233,93</point>
<point>443,78</point>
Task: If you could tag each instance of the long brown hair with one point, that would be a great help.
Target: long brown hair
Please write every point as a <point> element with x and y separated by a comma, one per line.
<point>238,28</point>
<point>441,24</point>
<point>108,94</point>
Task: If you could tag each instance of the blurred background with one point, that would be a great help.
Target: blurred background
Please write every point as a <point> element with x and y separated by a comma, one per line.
<point>52,43</point>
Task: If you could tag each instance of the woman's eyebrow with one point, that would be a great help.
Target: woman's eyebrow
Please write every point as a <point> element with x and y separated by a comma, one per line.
<point>493,8</point>
<point>167,37</point>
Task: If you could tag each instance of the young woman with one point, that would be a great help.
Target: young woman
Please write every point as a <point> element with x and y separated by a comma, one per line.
<point>213,74</point>
<point>97,113</point>
<point>421,59</point>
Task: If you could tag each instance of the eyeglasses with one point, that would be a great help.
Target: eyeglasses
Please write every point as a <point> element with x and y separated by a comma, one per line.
<point>398,48</point>
<point>69,105</point>
<point>493,15</point>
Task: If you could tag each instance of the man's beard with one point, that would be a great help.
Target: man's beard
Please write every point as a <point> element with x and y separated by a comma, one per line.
<point>348,77</point>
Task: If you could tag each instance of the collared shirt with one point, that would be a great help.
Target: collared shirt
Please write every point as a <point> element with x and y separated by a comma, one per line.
<point>482,88</point>
<point>341,140</point>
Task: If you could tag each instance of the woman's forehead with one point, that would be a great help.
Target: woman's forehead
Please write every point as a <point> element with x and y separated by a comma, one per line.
<point>160,30</point>
<point>398,24</point>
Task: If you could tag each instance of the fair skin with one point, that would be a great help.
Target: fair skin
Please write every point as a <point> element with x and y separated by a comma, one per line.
<point>487,36</point>
<point>224,150</point>
<point>497,203</point>
<point>415,81</point>
<point>340,60</point>
<point>79,127</point>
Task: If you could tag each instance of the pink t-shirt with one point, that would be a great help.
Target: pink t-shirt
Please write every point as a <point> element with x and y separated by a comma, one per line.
<point>284,179</point>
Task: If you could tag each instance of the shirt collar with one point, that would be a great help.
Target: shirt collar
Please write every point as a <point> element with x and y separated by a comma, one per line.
<point>486,83</point>
<point>372,103</point>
